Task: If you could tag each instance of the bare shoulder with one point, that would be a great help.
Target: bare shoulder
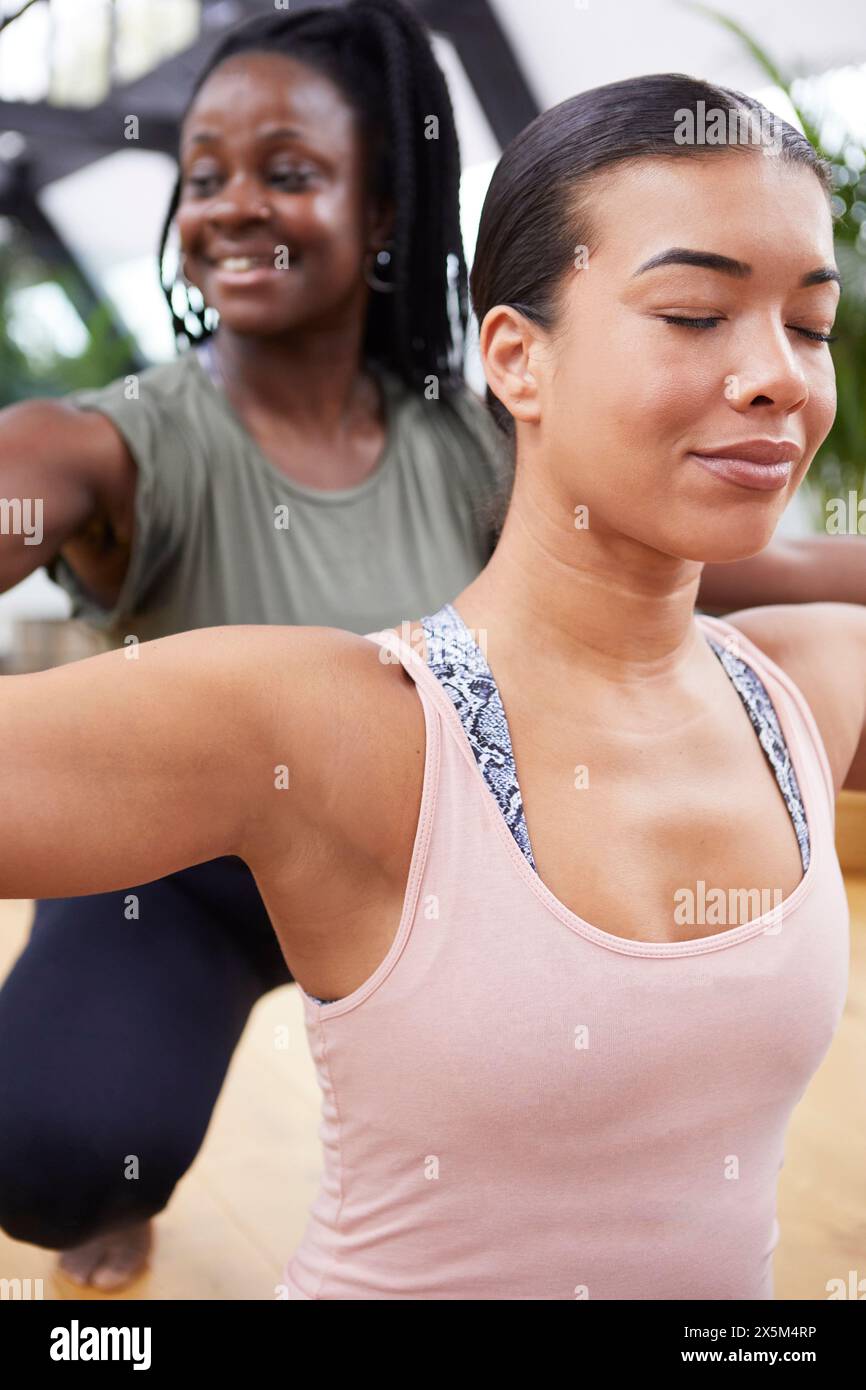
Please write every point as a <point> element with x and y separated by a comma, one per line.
<point>822,647</point>
<point>344,722</point>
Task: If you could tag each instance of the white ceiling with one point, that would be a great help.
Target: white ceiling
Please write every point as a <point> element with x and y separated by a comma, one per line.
<point>566,46</point>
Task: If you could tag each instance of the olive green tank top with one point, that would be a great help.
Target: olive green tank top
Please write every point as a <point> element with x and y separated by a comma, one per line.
<point>221,535</point>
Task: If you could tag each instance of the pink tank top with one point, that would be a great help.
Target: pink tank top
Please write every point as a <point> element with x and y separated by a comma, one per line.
<point>519,1105</point>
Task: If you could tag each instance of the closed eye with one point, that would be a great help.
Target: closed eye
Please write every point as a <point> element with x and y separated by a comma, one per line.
<point>711,323</point>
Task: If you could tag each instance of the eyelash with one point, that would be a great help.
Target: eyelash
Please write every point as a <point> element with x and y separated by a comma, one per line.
<point>283,174</point>
<point>711,323</point>
<point>280,175</point>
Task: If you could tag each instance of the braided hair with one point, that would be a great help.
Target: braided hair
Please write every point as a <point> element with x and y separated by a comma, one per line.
<point>379,55</point>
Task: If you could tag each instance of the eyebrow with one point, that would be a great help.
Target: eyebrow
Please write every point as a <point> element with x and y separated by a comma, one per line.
<point>710,260</point>
<point>267,133</point>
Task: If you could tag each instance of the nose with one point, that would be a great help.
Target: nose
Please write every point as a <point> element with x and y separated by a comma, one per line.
<point>768,372</point>
<point>240,200</point>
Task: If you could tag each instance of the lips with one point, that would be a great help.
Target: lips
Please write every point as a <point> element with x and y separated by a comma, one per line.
<point>746,472</point>
<point>766,451</point>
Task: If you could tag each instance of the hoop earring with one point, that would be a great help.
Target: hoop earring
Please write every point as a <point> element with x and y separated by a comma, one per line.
<point>382,258</point>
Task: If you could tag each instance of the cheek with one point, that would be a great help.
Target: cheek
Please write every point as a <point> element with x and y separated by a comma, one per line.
<point>329,221</point>
<point>821,406</point>
<point>189,222</point>
<point>329,243</point>
<point>633,385</point>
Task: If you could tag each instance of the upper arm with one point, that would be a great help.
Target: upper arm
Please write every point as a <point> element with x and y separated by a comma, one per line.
<point>61,466</point>
<point>131,765</point>
<point>822,647</point>
<point>795,569</point>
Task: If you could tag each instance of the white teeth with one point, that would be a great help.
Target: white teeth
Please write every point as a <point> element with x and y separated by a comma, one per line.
<point>239,263</point>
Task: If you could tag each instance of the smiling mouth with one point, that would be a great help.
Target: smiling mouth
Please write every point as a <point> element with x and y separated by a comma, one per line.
<point>241,263</point>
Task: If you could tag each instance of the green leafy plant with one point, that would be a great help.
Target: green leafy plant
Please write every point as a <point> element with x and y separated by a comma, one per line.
<point>840,465</point>
<point>106,355</point>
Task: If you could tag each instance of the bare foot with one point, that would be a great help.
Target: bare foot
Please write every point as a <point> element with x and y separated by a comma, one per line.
<point>109,1262</point>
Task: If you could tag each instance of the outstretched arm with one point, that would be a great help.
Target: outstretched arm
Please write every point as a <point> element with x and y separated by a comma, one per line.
<point>809,570</point>
<point>133,764</point>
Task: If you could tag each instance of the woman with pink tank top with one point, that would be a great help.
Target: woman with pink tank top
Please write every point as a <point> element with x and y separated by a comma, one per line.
<point>554,867</point>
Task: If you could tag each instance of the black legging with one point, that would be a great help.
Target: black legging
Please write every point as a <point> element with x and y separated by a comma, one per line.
<point>115,1038</point>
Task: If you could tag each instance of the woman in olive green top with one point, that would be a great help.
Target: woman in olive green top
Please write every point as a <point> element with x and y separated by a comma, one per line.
<point>224,533</point>
<point>317,461</point>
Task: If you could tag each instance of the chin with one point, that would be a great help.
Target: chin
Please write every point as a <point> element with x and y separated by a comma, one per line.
<point>252,321</point>
<point>719,540</point>
<point>726,546</point>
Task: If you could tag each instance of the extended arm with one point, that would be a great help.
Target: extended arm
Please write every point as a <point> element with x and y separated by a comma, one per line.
<point>131,765</point>
<point>809,570</point>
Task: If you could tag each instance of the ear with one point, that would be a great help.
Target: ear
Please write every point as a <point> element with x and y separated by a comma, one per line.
<point>507,342</point>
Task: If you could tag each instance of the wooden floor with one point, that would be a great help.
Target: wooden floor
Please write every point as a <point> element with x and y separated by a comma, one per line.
<point>240,1210</point>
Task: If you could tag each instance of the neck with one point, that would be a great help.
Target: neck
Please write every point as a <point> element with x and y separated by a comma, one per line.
<point>315,379</point>
<point>587,599</point>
